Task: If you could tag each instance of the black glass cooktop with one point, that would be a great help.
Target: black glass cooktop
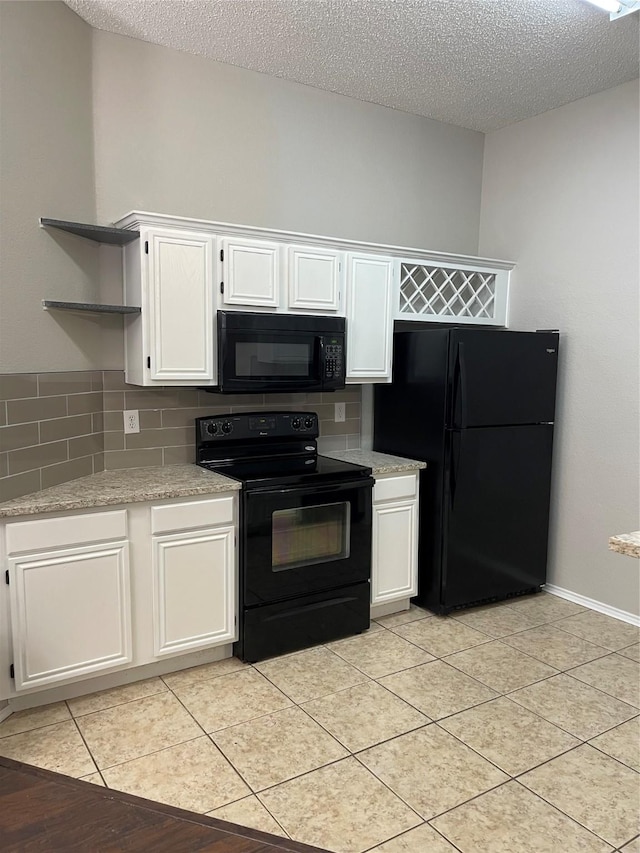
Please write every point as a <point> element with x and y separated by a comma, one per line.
<point>289,471</point>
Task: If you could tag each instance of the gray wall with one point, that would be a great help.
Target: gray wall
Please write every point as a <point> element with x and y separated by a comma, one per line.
<point>182,134</point>
<point>560,195</point>
<point>46,169</point>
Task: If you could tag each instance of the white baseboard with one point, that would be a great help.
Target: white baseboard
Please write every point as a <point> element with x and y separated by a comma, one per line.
<point>5,712</point>
<point>592,604</point>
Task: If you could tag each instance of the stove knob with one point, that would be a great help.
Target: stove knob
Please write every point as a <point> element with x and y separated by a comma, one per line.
<point>308,422</point>
<point>227,427</point>
<point>296,423</point>
<point>212,428</point>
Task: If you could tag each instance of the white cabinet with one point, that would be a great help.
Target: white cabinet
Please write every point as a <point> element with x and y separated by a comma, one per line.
<point>250,273</point>
<point>70,606</point>
<point>394,562</point>
<point>369,318</point>
<point>279,276</point>
<point>314,276</point>
<point>170,274</point>
<point>194,575</point>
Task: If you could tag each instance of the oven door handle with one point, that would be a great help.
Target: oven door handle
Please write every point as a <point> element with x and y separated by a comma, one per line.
<point>326,488</point>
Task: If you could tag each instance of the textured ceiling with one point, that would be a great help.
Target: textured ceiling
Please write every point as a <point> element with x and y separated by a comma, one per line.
<point>480,64</point>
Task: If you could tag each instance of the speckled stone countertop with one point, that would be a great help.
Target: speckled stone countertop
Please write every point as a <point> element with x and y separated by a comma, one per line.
<point>626,543</point>
<point>380,463</point>
<point>128,485</point>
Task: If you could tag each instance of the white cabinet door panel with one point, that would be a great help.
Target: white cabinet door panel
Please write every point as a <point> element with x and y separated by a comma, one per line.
<point>194,590</point>
<point>394,553</point>
<point>369,320</point>
<point>251,272</point>
<point>314,278</point>
<point>70,613</point>
<point>181,305</point>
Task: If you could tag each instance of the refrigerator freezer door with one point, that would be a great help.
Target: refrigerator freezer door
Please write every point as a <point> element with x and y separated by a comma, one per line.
<point>496,512</point>
<point>499,377</point>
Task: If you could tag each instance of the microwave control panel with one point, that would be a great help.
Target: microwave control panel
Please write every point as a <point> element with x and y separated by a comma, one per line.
<point>333,358</point>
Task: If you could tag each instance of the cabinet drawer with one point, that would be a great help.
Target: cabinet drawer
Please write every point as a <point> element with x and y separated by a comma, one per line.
<point>187,516</point>
<point>392,488</point>
<point>44,533</point>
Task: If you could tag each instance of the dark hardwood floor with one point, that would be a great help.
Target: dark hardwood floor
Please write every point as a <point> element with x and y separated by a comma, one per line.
<point>44,811</point>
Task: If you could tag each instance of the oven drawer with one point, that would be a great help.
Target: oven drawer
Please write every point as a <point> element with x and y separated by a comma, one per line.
<point>309,620</point>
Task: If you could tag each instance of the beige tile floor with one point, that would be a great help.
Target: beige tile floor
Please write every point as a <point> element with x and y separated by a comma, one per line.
<point>512,728</point>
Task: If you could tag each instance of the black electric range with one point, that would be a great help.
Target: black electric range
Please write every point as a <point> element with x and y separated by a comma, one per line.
<point>305,530</point>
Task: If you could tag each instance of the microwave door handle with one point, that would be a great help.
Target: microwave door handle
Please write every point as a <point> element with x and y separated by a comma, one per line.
<point>321,358</point>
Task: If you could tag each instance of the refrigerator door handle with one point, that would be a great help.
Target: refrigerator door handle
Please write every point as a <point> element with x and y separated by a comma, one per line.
<point>454,463</point>
<point>462,385</point>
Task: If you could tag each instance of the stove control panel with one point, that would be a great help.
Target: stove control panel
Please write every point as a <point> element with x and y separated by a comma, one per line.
<point>256,426</point>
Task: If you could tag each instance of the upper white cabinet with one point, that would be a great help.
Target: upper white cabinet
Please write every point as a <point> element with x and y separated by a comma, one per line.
<point>250,273</point>
<point>170,274</point>
<point>369,317</point>
<point>181,271</point>
<point>314,278</point>
<point>279,276</point>
<point>70,606</point>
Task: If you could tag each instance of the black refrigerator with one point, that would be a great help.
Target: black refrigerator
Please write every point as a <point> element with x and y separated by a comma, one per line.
<point>477,405</point>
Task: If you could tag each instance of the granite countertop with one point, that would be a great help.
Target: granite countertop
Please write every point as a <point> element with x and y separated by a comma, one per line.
<point>626,543</point>
<point>380,463</point>
<point>126,485</point>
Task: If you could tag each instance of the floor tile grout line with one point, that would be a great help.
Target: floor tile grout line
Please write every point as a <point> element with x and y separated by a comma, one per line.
<point>613,757</point>
<point>147,754</point>
<point>86,746</point>
<point>610,654</point>
<point>33,728</point>
<point>407,831</point>
<point>511,775</point>
<point>109,707</point>
<point>575,820</point>
<point>551,722</point>
<point>578,637</point>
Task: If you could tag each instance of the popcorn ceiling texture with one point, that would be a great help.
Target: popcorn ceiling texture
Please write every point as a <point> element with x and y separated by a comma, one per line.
<point>480,64</point>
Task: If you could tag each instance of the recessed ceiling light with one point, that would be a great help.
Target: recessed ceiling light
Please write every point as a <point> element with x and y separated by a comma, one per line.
<point>617,8</point>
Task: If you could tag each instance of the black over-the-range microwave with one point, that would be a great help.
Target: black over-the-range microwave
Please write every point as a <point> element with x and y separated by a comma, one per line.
<point>263,353</point>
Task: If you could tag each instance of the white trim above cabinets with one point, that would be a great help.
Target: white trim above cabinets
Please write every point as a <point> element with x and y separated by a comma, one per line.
<point>183,270</point>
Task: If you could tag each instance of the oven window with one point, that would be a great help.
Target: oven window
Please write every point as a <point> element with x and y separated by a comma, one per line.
<point>309,535</point>
<point>273,358</point>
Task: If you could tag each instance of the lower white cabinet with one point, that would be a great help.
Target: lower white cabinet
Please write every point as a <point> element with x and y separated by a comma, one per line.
<point>194,582</point>
<point>96,592</point>
<point>70,607</point>
<point>194,575</point>
<point>394,562</point>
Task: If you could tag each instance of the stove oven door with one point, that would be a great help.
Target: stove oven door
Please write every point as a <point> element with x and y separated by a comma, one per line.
<point>305,539</point>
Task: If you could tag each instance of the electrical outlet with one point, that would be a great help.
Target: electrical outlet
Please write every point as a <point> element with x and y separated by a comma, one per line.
<point>340,412</point>
<point>131,421</point>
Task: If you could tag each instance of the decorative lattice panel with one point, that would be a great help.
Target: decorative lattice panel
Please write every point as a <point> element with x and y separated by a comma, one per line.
<point>444,292</point>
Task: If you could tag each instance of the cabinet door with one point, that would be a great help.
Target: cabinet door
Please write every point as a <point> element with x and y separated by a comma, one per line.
<point>394,551</point>
<point>181,305</point>
<point>194,590</point>
<point>70,613</point>
<point>250,272</point>
<point>314,277</point>
<point>369,319</point>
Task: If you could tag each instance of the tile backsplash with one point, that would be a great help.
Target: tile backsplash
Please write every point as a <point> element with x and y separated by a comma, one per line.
<point>51,429</point>
<point>56,427</point>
